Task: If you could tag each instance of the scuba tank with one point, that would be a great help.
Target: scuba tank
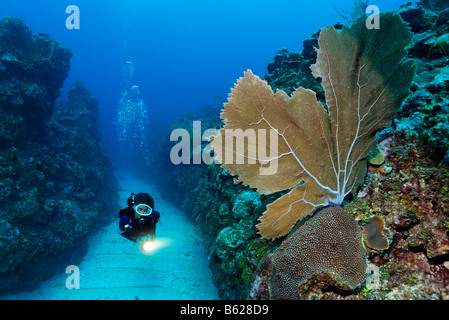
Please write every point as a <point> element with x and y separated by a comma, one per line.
<point>130,201</point>
<point>129,209</point>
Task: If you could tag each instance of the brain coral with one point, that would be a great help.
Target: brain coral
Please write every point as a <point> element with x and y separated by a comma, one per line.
<point>329,242</point>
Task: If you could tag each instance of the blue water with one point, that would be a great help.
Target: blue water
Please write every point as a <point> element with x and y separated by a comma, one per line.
<point>186,54</point>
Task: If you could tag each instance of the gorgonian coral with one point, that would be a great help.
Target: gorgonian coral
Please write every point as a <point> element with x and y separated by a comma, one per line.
<point>319,153</point>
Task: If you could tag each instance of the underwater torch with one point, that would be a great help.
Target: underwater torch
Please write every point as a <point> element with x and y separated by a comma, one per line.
<point>150,246</point>
<point>146,246</point>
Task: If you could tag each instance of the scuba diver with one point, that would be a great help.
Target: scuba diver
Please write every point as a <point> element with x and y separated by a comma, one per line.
<point>138,220</point>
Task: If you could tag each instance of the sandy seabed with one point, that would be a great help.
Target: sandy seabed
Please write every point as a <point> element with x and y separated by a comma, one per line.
<point>116,269</point>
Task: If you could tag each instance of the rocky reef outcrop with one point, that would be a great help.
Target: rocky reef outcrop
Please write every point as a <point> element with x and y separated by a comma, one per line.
<point>55,178</point>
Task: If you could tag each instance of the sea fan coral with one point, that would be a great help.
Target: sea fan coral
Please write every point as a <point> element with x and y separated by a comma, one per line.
<point>319,153</point>
<point>330,242</point>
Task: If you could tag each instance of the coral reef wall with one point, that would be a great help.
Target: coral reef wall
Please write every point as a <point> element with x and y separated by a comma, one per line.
<point>32,70</point>
<point>55,179</point>
<point>409,191</point>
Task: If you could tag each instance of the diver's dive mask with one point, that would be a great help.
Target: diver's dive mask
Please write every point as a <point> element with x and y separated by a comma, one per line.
<point>143,209</point>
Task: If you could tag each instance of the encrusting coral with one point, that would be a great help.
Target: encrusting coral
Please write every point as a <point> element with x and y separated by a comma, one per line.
<point>373,233</point>
<point>320,153</point>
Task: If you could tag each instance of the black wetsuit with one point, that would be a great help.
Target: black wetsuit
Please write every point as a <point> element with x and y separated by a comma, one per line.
<point>135,228</point>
